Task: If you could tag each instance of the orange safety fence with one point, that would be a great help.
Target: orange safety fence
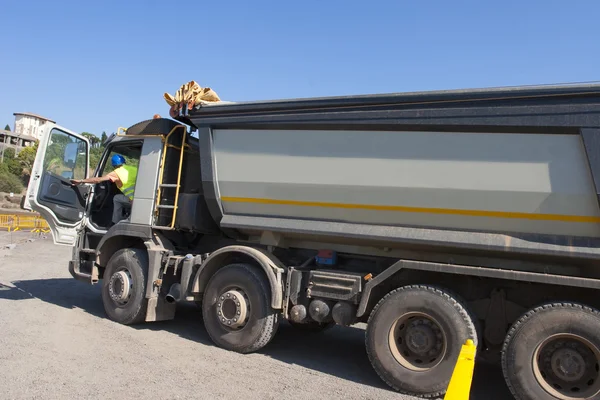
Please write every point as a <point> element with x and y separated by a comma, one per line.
<point>34,223</point>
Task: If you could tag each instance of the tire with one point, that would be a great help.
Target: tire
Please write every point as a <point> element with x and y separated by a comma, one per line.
<point>528,349</point>
<point>418,311</point>
<point>261,321</point>
<point>132,310</point>
<point>312,326</point>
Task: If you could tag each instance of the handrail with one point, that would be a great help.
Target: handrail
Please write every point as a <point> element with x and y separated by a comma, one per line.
<point>178,179</point>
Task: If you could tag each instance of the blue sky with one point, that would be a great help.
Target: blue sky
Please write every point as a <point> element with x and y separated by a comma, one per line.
<point>94,66</point>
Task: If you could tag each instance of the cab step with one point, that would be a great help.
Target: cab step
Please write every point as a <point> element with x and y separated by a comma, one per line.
<point>85,271</point>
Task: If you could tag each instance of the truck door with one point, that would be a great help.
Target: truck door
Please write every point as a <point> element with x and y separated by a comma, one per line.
<point>62,155</point>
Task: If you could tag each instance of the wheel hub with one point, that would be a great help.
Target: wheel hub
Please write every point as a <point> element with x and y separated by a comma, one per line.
<point>232,309</point>
<point>119,286</point>
<point>417,342</point>
<point>420,338</point>
<point>567,366</point>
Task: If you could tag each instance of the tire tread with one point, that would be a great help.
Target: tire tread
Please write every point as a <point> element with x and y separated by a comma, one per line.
<point>139,314</point>
<point>523,319</point>
<point>272,321</point>
<point>452,299</point>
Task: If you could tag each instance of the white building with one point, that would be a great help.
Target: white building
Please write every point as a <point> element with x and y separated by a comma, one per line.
<point>14,141</point>
<point>30,124</point>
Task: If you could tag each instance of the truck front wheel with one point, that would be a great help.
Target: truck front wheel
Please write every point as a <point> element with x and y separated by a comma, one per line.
<point>414,336</point>
<point>124,286</point>
<point>236,309</point>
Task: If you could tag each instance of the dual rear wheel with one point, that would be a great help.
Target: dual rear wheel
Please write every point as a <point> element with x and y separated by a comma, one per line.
<point>553,352</point>
<point>415,333</point>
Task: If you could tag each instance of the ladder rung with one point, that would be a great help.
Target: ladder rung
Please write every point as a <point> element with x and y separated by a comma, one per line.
<point>169,185</point>
<point>167,207</point>
<point>168,228</point>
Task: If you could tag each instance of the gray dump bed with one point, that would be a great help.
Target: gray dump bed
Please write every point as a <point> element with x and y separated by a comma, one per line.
<point>512,170</point>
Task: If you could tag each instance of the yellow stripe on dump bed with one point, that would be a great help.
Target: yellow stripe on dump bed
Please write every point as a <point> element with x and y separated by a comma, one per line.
<point>446,211</point>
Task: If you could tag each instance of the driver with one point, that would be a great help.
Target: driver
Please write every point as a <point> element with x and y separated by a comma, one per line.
<point>124,177</point>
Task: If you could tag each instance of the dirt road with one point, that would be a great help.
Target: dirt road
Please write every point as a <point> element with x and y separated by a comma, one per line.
<point>56,343</point>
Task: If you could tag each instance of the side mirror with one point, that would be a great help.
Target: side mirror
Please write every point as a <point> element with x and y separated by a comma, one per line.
<point>70,155</point>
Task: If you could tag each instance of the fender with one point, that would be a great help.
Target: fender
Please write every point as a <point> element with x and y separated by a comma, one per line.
<point>272,267</point>
<point>113,239</point>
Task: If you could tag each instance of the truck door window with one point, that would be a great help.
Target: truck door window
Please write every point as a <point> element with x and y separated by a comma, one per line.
<point>65,156</point>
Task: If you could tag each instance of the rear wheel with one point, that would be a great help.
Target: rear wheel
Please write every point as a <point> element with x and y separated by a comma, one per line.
<point>414,337</point>
<point>553,352</point>
<point>124,286</point>
<point>236,309</point>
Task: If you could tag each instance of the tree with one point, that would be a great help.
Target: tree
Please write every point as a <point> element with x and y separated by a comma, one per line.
<point>10,183</point>
<point>95,155</point>
<point>10,162</point>
<point>104,137</point>
<point>26,158</point>
<point>7,127</point>
<point>94,140</point>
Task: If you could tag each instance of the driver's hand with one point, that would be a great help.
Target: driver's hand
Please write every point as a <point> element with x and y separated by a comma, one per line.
<point>75,182</point>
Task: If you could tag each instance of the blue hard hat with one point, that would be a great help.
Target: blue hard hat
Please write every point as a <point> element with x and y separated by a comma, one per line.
<point>117,160</point>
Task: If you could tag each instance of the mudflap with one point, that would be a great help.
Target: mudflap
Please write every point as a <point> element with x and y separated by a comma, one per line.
<point>158,308</point>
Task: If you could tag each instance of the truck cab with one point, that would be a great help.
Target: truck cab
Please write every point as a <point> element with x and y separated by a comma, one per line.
<point>81,215</point>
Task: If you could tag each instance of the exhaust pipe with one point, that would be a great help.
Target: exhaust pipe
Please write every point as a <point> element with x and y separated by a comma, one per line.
<point>174,293</point>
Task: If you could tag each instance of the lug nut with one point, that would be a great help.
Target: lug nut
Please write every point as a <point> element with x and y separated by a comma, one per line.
<point>222,298</point>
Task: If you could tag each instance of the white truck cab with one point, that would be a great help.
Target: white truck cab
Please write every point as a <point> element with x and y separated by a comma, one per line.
<point>70,209</point>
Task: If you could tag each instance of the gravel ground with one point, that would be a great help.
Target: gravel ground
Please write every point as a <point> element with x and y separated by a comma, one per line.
<point>56,343</point>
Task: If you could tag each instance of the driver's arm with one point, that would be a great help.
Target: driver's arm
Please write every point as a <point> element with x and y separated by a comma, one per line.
<point>111,176</point>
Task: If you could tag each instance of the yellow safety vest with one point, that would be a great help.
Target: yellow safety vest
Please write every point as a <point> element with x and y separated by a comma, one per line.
<point>127,174</point>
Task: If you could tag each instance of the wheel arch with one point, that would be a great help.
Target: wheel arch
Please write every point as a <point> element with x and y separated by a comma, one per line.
<point>120,236</point>
<point>271,266</point>
<point>374,288</point>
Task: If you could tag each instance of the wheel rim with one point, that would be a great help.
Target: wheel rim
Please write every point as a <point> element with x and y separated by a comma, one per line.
<point>120,286</point>
<point>417,341</point>
<point>233,309</point>
<point>567,366</point>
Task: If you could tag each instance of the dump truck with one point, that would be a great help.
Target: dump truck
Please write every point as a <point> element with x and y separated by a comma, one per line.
<point>432,217</point>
